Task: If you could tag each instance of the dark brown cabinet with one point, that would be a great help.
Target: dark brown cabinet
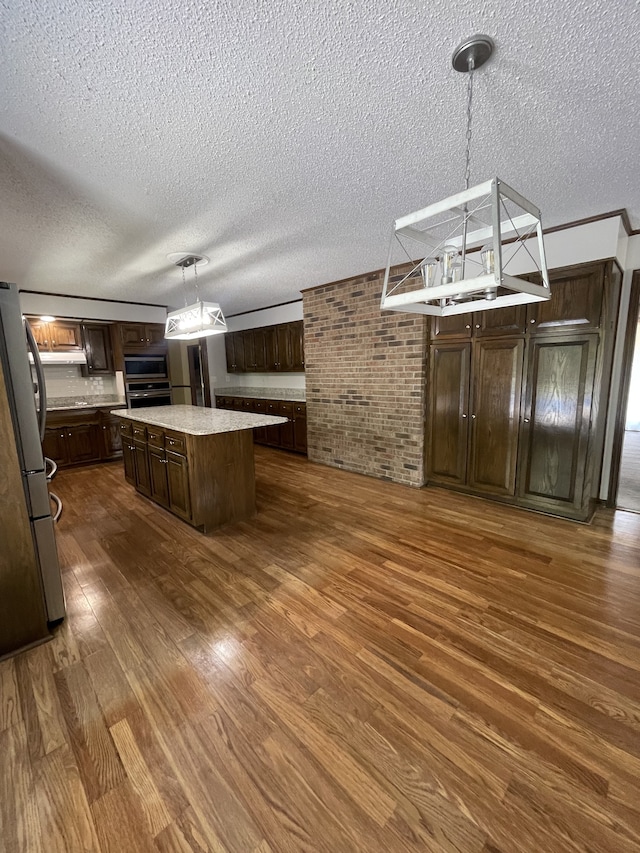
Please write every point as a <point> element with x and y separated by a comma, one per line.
<point>98,349</point>
<point>554,463</point>
<point>178,484</point>
<point>517,396</point>
<point>138,337</point>
<point>111,438</point>
<point>57,335</point>
<point>475,410</point>
<point>448,423</point>
<point>270,349</point>
<point>75,438</point>
<point>158,475</point>
<point>289,436</point>
<point>143,474</point>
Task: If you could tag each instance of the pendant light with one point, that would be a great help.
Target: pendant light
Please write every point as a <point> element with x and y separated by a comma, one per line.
<point>200,319</point>
<point>467,242</point>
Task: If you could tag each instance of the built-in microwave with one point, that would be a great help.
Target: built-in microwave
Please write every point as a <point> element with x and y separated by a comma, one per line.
<point>145,366</point>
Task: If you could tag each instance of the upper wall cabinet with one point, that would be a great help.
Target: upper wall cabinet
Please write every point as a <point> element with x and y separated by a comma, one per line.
<point>576,306</point>
<point>57,336</point>
<point>270,349</point>
<point>98,348</point>
<point>137,337</point>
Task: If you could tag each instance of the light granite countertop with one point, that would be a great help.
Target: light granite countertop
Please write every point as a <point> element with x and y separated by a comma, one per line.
<point>293,395</point>
<point>197,420</point>
<point>98,401</point>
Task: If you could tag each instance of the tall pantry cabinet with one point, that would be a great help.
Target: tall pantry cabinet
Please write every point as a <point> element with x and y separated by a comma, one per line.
<point>517,396</point>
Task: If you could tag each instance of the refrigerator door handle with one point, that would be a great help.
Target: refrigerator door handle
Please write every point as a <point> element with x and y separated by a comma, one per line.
<point>51,468</point>
<point>42,388</point>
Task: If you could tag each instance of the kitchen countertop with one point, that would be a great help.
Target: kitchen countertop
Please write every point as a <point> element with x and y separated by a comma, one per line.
<point>98,401</point>
<point>294,395</point>
<point>197,420</point>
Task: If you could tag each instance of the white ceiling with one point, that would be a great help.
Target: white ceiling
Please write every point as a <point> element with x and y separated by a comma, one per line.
<point>283,137</point>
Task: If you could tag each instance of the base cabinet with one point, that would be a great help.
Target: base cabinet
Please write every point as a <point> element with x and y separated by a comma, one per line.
<point>206,480</point>
<point>289,436</point>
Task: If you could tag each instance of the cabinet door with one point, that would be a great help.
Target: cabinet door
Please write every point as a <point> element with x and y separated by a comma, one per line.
<point>500,321</point>
<point>273,432</point>
<point>555,431</point>
<point>155,334</point>
<point>448,413</point>
<point>83,443</point>
<point>230,352</point>
<point>111,437</point>
<point>575,304</point>
<point>65,336</point>
<point>300,427</point>
<point>97,345</point>
<point>287,430</point>
<point>283,345</point>
<point>143,478</point>
<point>456,326</point>
<point>129,459</point>
<point>133,336</point>
<point>297,345</point>
<point>249,350</point>
<point>158,476</point>
<point>178,481</point>
<point>260,433</point>
<point>495,415</point>
<point>271,348</point>
<point>260,351</point>
<point>40,331</point>
<point>54,445</point>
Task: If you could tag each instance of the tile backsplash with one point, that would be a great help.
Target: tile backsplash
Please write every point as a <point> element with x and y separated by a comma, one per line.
<point>63,380</point>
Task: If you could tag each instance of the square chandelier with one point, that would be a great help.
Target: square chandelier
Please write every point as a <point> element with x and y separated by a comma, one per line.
<point>195,321</point>
<point>470,241</point>
<point>466,245</point>
<point>200,319</point>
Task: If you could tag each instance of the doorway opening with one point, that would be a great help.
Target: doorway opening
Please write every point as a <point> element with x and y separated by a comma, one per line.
<point>628,491</point>
<point>199,374</point>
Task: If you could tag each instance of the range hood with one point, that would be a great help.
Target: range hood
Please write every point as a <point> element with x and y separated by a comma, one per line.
<point>61,358</point>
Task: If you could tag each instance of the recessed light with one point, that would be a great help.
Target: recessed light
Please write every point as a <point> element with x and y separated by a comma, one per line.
<point>46,318</point>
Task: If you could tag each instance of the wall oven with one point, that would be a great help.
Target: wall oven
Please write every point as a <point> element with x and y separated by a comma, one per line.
<point>142,394</point>
<point>145,367</point>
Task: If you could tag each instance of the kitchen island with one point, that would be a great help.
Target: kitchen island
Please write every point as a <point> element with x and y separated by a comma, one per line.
<point>196,462</point>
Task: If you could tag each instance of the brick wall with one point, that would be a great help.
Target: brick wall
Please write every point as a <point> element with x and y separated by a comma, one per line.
<point>365,381</point>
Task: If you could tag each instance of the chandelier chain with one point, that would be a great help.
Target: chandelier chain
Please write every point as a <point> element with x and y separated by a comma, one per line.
<point>184,287</point>
<point>467,174</point>
<point>195,272</point>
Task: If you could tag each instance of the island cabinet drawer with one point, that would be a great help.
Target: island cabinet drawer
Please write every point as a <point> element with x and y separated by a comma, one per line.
<point>175,441</point>
<point>259,406</point>
<point>155,437</point>
<point>300,409</point>
<point>126,428</point>
<point>286,410</point>
<point>139,432</point>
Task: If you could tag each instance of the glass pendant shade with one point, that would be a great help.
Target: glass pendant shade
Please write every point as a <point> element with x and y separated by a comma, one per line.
<point>195,321</point>
<point>475,241</point>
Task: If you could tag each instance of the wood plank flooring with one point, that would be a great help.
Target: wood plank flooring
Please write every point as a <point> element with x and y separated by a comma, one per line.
<point>629,486</point>
<point>362,667</point>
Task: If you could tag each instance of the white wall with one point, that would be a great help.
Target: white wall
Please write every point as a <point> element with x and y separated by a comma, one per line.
<point>91,309</point>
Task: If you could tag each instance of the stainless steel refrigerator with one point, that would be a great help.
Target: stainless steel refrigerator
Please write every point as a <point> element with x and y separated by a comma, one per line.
<point>31,594</point>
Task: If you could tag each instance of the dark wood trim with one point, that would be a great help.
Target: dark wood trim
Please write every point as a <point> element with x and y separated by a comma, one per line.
<point>266,308</point>
<point>97,299</point>
<point>623,397</point>
<point>204,369</point>
<point>199,351</point>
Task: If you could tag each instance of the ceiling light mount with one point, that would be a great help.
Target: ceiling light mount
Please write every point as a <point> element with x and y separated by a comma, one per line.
<point>478,49</point>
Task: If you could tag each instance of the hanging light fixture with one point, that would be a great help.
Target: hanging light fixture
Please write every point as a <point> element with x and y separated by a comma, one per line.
<point>470,239</point>
<point>200,319</point>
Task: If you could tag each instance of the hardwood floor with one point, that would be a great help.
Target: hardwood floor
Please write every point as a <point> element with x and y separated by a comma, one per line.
<point>629,487</point>
<point>362,667</point>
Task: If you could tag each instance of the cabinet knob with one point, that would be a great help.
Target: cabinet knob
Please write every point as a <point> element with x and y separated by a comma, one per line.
<point>473,417</point>
<point>526,420</point>
<point>467,326</point>
<point>532,321</point>
<point>477,325</point>
<point>464,416</point>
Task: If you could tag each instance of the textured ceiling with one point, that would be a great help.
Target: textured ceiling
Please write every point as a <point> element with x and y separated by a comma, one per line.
<point>283,137</point>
